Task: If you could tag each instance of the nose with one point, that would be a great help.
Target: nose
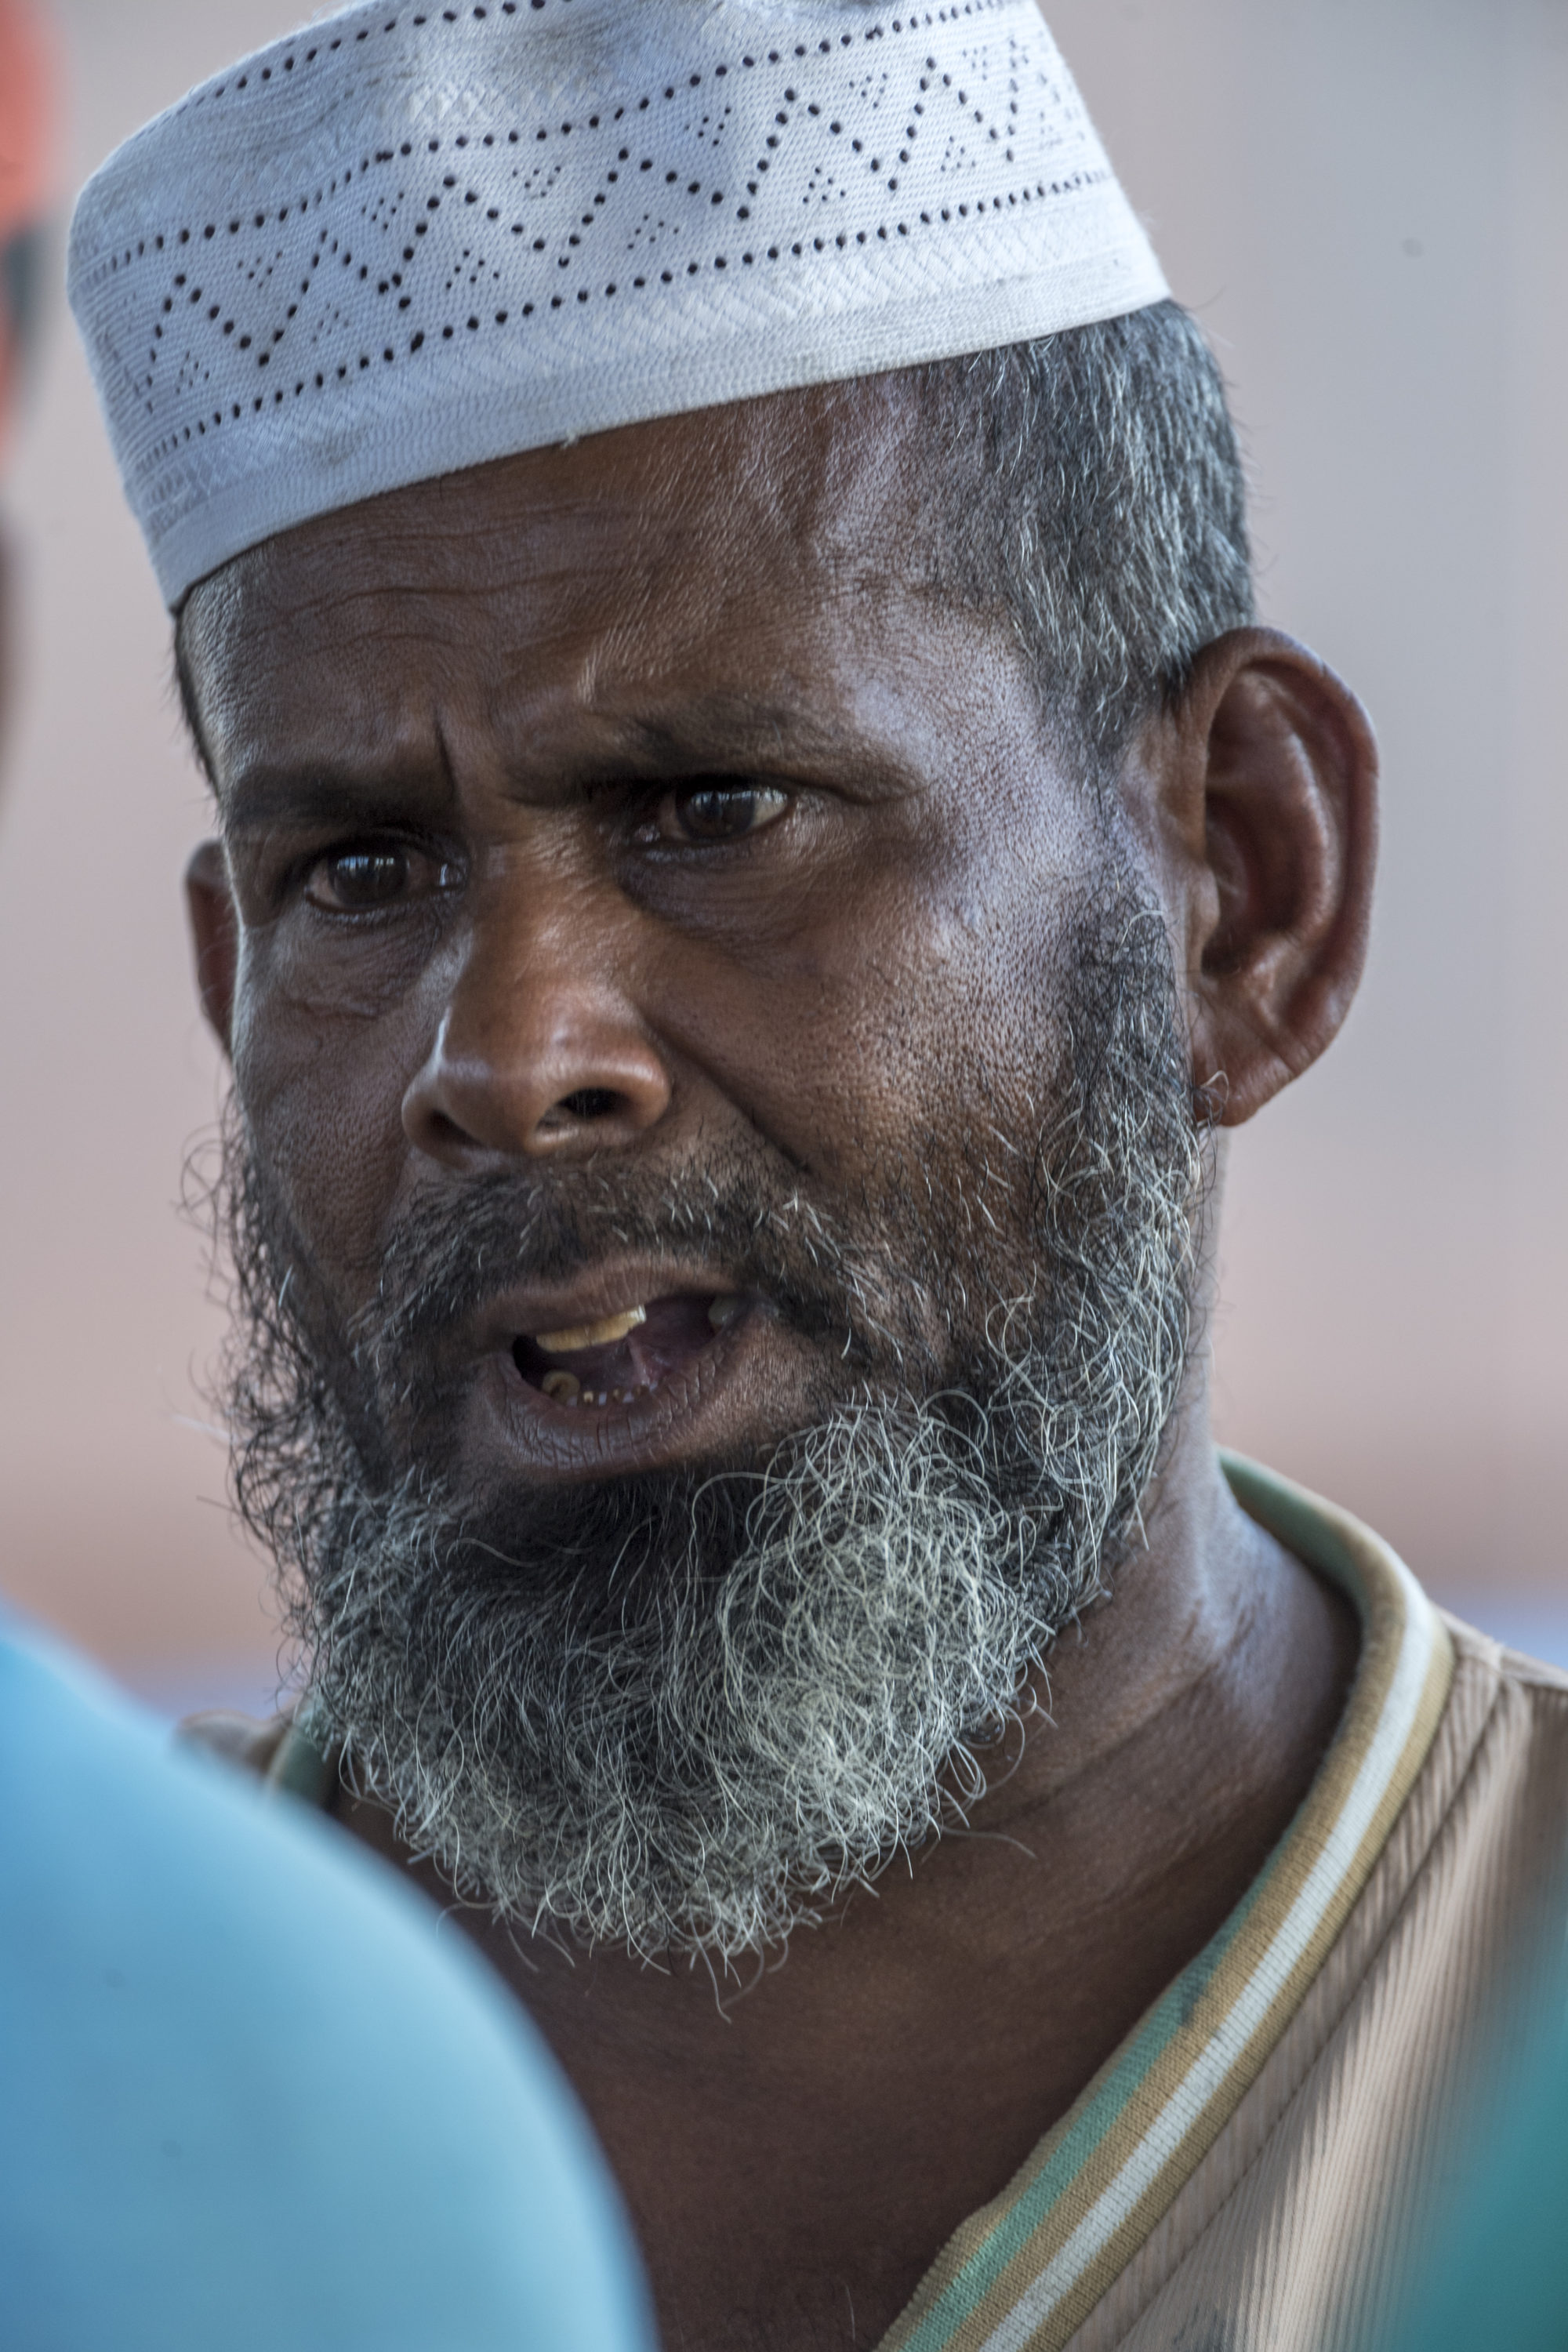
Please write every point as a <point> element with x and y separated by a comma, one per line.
<point>539,1052</point>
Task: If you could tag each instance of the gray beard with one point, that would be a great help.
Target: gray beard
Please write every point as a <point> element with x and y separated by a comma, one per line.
<point>687,1711</point>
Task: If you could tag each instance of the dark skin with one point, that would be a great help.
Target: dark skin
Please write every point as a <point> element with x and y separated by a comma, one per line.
<point>525,680</point>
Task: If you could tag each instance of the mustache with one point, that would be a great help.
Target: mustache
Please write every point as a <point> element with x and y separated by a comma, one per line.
<point>450,1255</point>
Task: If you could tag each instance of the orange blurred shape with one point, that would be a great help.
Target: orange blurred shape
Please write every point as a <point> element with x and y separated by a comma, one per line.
<point>27,139</point>
<point>27,93</point>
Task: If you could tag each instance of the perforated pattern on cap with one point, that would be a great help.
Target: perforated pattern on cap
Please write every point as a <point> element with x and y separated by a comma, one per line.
<point>410,239</point>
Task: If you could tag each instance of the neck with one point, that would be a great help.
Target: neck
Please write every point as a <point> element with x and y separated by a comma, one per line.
<point>812,2131</point>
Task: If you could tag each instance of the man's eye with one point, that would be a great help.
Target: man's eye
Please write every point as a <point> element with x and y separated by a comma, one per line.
<point>718,811</point>
<point>372,874</point>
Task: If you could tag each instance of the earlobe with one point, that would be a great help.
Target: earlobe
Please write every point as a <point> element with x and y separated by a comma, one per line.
<point>1281,790</point>
<point>214,935</point>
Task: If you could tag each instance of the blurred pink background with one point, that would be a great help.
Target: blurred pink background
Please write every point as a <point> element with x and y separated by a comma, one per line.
<point>1367,205</point>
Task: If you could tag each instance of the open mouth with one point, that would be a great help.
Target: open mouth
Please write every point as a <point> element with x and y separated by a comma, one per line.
<point>622,1358</point>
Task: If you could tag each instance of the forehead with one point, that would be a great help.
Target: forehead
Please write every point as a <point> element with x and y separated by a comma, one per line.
<point>773,541</point>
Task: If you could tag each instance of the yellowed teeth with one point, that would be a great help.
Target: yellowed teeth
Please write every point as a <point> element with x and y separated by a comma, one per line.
<point>601,1333</point>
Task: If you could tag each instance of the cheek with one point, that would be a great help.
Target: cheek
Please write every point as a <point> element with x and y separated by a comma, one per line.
<point>898,1007</point>
<point>321,1082</point>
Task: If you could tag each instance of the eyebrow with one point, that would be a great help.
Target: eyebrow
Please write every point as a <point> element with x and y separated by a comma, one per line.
<point>708,734</point>
<point>267,795</point>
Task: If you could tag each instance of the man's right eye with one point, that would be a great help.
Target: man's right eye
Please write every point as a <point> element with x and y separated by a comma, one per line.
<point>372,873</point>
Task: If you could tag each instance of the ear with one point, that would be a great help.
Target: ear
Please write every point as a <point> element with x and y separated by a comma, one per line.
<point>1269,797</point>
<point>214,934</point>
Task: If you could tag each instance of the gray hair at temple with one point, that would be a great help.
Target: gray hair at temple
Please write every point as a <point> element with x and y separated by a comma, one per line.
<point>1090,482</point>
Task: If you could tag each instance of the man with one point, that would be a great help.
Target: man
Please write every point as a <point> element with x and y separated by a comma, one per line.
<point>250,2096</point>
<point>761,851</point>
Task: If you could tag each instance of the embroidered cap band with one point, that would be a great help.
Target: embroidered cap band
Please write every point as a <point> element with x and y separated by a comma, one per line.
<point>411,240</point>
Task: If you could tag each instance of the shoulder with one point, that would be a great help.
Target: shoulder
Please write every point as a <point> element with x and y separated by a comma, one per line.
<point>1491,1807</point>
<point>1527,1699</point>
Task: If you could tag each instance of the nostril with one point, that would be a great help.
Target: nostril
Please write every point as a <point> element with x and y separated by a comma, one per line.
<point>445,1134</point>
<point>590,1102</point>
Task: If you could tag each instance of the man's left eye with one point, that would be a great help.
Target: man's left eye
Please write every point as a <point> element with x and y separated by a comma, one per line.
<point>717,812</point>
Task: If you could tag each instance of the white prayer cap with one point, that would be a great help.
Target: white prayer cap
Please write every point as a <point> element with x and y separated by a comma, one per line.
<point>415,237</point>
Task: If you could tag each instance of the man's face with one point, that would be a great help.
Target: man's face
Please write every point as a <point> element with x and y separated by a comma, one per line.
<point>632,805</point>
<point>657,901</point>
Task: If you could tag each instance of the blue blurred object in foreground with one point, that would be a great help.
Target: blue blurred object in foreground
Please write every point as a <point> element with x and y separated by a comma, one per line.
<point>250,2096</point>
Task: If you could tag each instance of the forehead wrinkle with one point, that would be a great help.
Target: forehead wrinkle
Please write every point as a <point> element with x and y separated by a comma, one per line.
<point>359,577</point>
<point>610,715</point>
